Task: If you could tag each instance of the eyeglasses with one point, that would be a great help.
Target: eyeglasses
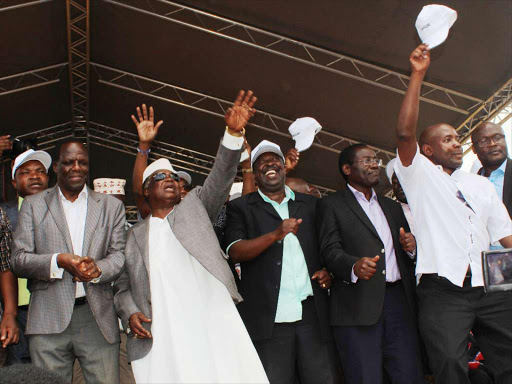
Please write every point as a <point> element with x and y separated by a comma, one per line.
<point>368,161</point>
<point>162,176</point>
<point>484,143</point>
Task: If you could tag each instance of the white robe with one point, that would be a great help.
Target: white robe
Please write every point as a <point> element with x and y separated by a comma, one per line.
<point>198,335</point>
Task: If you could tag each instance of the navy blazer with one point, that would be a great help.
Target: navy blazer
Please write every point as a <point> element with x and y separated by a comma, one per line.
<point>249,217</point>
<point>346,234</point>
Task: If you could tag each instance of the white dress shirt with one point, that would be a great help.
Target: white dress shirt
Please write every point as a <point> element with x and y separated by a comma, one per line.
<point>451,234</point>
<point>76,215</point>
<point>376,215</point>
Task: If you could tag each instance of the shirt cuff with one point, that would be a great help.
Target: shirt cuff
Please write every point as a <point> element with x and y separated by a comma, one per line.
<point>232,142</point>
<point>229,246</point>
<point>353,276</point>
<point>55,271</point>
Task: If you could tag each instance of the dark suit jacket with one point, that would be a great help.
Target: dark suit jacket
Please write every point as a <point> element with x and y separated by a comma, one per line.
<point>11,208</point>
<point>249,217</point>
<point>346,234</point>
<point>507,187</point>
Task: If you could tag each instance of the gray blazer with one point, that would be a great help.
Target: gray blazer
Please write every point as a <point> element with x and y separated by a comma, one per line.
<point>41,232</point>
<point>191,223</point>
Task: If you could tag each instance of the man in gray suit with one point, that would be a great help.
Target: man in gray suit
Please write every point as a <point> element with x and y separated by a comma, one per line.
<point>177,289</point>
<point>69,242</point>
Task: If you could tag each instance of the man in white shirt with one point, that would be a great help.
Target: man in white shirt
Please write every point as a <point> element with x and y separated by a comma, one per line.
<point>457,215</point>
<point>69,241</point>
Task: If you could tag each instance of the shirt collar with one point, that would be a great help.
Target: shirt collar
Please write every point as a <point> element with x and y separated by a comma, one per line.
<point>82,195</point>
<point>360,195</point>
<point>500,170</point>
<point>288,194</point>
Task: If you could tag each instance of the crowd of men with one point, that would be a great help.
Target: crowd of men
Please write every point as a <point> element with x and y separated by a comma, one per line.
<point>275,285</point>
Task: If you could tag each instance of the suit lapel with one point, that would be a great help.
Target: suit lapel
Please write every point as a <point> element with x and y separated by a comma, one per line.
<point>294,207</point>
<point>266,207</point>
<point>507,185</point>
<point>354,205</point>
<point>91,222</point>
<point>55,208</point>
<point>142,237</point>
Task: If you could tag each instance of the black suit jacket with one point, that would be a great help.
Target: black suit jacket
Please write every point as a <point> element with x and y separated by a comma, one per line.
<point>11,208</point>
<point>507,187</point>
<point>249,217</point>
<point>346,234</point>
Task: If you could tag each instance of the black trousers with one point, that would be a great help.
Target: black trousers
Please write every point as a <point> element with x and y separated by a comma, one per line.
<point>297,349</point>
<point>447,313</point>
<point>390,345</point>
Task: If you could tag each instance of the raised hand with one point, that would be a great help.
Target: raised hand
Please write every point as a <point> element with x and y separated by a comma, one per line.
<point>291,160</point>
<point>145,124</point>
<point>420,59</point>
<point>408,241</point>
<point>135,322</point>
<point>366,267</point>
<point>323,277</point>
<point>5,143</point>
<point>241,112</point>
<point>287,226</point>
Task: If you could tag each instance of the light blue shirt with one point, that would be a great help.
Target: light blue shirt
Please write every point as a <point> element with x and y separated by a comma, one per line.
<point>295,282</point>
<point>497,178</point>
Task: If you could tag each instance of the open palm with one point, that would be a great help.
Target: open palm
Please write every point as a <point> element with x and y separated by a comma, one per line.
<point>145,124</point>
<point>241,112</point>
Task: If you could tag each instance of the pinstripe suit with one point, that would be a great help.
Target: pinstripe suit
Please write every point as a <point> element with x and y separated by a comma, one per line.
<point>191,222</point>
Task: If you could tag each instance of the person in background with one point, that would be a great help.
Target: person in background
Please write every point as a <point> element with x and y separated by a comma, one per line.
<point>147,131</point>
<point>185,183</point>
<point>29,176</point>
<point>399,194</point>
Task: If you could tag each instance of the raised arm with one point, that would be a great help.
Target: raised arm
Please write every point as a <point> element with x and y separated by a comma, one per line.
<point>408,116</point>
<point>147,131</point>
<point>249,184</point>
<point>216,187</point>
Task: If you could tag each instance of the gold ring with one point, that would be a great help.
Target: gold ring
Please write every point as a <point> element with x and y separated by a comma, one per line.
<point>323,285</point>
<point>136,336</point>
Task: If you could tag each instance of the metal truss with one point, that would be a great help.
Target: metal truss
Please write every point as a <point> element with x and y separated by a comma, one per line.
<point>496,105</point>
<point>77,15</point>
<point>23,5</point>
<point>126,142</point>
<point>31,79</point>
<point>299,51</point>
<point>217,107</point>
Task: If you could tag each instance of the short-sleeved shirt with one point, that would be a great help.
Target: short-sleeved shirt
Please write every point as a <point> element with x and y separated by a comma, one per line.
<point>456,217</point>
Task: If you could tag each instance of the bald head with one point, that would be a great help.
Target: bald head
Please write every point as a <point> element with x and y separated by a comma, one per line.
<point>489,145</point>
<point>440,144</point>
<point>297,185</point>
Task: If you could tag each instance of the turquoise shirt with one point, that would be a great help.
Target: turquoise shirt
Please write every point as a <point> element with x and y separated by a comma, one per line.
<point>497,178</point>
<point>295,281</point>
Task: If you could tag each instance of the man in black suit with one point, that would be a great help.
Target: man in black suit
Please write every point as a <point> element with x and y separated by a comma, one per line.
<point>363,242</point>
<point>271,233</point>
<point>491,148</point>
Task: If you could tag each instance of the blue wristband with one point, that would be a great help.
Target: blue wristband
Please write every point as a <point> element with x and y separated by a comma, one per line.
<point>144,152</point>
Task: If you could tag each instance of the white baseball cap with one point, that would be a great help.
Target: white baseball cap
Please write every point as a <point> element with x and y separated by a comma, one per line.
<point>264,147</point>
<point>156,166</point>
<point>109,186</point>
<point>303,131</point>
<point>390,169</point>
<point>185,176</point>
<point>29,155</point>
<point>434,23</point>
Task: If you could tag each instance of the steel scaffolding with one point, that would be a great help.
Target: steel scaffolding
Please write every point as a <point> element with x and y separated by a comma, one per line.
<point>216,106</point>
<point>77,15</point>
<point>298,51</point>
<point>34,78</point>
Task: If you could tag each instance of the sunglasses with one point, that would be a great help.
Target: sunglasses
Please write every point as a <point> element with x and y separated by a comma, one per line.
<point>162,176</point>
